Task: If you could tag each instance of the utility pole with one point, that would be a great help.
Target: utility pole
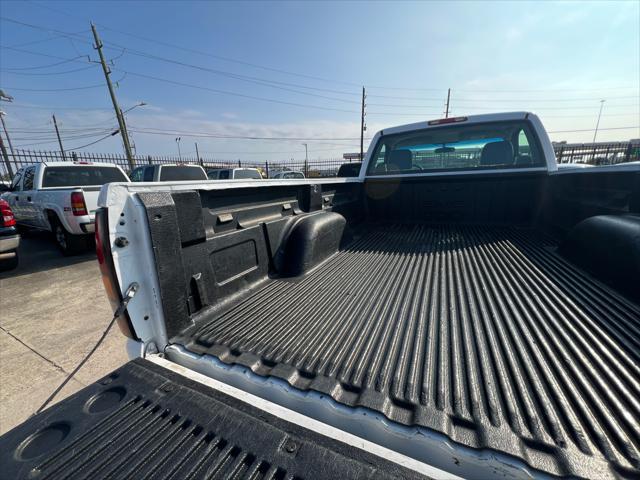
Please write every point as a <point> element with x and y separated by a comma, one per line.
<point>5,155</point>
<point>446,113</point>
<point>306,159</point>
<point>119,115</point>
<point>55,124</point>
<point>198,154</point>
<point>598,122</point>
<point>178,140</point>
<point>363,127</point>
<point>6,133</point>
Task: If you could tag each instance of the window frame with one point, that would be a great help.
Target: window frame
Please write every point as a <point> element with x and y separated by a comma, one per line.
<point>525,124</point>
<point>16,186</point>
<point>140,171</point>
<point>148,169</point>
<point>29,174</point>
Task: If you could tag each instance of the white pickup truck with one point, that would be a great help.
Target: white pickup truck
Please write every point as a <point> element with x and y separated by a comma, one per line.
<point>461,308</point>
<point>61,197</point>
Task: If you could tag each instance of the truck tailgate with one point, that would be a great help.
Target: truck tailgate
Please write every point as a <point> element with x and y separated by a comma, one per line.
<point>145,421</point>
<point>91,198</point>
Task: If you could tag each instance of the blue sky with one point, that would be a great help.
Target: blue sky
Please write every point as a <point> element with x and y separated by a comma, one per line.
<point>557,59</point>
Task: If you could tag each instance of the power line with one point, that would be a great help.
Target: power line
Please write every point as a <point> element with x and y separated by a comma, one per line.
<point>302,75</point>
<point>235,94</point>
<point>48,107</point>
<point>275,84</point>
<point>63,60</point>
<point>246,137</point>
<point>69,89</point>
<point>68,136</point>
<point>10,71</point>
<point>55,140</point>
<point>39,66</point>
<point>93,143</point>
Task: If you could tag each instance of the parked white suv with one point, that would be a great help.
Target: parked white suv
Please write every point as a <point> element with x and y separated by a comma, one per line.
<point>61,197</point>
<point>234,174</point>
<point>287,174</point>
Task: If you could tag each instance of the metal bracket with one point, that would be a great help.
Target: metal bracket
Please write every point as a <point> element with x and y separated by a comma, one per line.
<point>128,295</point>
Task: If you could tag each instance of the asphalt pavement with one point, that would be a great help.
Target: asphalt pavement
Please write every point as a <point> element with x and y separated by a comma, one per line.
<point>52,311</point>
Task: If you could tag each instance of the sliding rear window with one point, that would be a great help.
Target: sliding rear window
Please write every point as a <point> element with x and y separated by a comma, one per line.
<point>498,145</point>
<point>181,172</point>
<point>81,176</point>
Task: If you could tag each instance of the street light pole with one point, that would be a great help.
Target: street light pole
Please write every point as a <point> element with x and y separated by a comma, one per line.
<point>598,122</point>
<point>306,160</point>
<point>178,142</point>
<point>139,104</point>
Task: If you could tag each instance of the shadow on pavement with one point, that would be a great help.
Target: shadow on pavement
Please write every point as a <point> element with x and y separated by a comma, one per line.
<point>38,253</point>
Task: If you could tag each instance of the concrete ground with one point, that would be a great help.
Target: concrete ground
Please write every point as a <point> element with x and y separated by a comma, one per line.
<point>52,311</point>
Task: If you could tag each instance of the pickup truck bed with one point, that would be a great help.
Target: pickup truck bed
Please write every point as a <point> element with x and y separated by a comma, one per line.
<point>482,333</point>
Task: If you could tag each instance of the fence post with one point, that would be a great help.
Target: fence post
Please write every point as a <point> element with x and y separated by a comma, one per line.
<point>266,168</point>
<point>149,159</point>
<point>239,164</point>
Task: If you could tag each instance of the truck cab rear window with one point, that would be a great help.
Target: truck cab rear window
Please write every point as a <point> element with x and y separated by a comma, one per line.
<point>247,174</point>
<point>78,176</point>
<point>497,145</point>
<point>177,173</point>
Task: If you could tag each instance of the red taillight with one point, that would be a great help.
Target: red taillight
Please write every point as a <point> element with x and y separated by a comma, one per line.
<point>443,121</point>
<point>8,220</point>
<point>78,207</point>
<point>108,271</point>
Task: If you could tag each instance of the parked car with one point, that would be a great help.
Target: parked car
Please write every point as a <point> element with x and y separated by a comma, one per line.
<point>463,308</point>
<point>168,173</point>
<point>61,197</point>
<point>287,174</point>
<point>349,169</point>
<point>9,237</point>
<point>234,174</point>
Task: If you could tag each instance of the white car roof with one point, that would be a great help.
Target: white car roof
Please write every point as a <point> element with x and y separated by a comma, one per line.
<point>78,164</point>
<point>488,117</point>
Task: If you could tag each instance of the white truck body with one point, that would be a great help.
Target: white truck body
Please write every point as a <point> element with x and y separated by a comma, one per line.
<point>34,204</point>
<point>450,310</point>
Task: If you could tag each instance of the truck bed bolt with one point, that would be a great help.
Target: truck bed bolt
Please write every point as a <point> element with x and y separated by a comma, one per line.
<point>121,242</point>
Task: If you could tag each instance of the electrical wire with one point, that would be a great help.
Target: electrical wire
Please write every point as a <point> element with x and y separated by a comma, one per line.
<point>243,137</point>
<point>39,66</point>
<point>55,139</point>
<point>68,89</point>
<point>54,108</point>
<point>302,75</point>
<point>278,84</point>
<point>47,73</point>
<point>235,94</point>
<point>99,140</point>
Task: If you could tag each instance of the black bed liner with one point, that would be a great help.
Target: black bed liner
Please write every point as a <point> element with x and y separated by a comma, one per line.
<point>144,421</point>
<point>482,333</point>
